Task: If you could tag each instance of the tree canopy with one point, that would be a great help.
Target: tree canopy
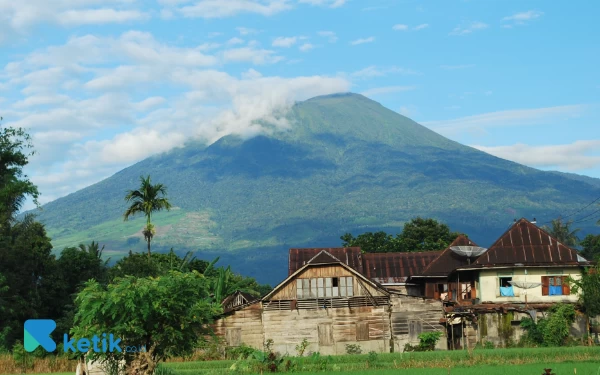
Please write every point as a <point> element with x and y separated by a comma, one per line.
<point>590,247</point>
<point>563,232</point>
<point>419,234</point>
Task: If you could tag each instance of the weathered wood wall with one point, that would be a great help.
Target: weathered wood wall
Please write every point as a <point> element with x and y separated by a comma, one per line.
<point>288,291</point>
<point>329,330</point>
<point>411,316</point>
<point>242,327</point>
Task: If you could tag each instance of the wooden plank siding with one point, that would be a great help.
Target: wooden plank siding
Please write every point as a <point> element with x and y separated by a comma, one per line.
<point>410,316</point>
<point>247,322</point>
<point>288,291</point>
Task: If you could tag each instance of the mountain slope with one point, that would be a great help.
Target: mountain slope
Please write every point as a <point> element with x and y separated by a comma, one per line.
<point>345,163</point>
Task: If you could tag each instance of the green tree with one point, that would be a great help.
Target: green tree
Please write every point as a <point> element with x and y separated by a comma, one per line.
<point>146,200</point>
<point>167,315</point>
<point>139,265</point>
<point>378,242</point>
<point>590,247</point>
<point>15,187</point>
<point>588,288</point>
<point>417,235</point>
<point>421,234</point>
<point>563,232</point>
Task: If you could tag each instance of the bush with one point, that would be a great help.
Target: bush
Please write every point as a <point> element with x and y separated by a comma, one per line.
<point>427,342</point>
<point>240,352</point>
<point>353,349</point>
<point>301,348</point>
<point>550,331</point>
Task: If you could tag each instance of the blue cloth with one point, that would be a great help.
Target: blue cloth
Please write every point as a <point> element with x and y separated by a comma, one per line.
<point>555,290</point>
<point>507,291</point>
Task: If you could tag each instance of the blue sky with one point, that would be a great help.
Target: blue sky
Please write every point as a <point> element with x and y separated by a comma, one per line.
<point>102,84</point>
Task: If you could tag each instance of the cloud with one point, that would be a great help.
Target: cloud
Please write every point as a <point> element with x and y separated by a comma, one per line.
<point>574,156</point>
<point>222,9</point>
<point>373,71</point>
<point>363,41</point>
<point>421,26</point>
<point>330,35</point>
<point>329,3</point>
<point>95,105</point>
<point>284,42</point>
<point>235,40</point>
<point>386,90</point>
<point>306,47</point>
<point>19,17</point>
<point>456,67</point>
<point>522,18</point>
<point>246,31</point>
<point>400,27</point>
<point>516,117</point>
<point>464,30</point>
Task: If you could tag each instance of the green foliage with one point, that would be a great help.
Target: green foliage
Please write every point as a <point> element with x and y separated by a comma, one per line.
<point>166,314</point>
<point>301,348</point>
<point>563,232</point>
<point>418,235</point>
<point>591,247</point>
<point>139,265</point>
<point>588,288</point>
<point>552,330</point>
<point>427,342</point>
<point>353,349</point>
<point>146,200</point>
<point>240,352</point>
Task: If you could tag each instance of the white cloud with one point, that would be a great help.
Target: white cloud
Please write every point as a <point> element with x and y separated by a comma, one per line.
<point>400,27</point>
<point>455,67</point>
<point>230,8</point>
<point>284,42</point>
<point>330,35</point>
<point>574,156</point>
<point>386,90</point>
<point>363,41</point>
<point>329,3</point>
<point>20,16</point>
<point>517,117</point>
<point>464,30</point>
<point>246,31</point>
<point>522,18</point>
<point>421,26</point>
<point>373,71</point>
<point>235,40</point>
<point>306,47</point>
<point>94,105</point>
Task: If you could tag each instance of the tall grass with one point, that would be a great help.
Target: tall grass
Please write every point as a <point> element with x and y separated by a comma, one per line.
<point>48,364</point>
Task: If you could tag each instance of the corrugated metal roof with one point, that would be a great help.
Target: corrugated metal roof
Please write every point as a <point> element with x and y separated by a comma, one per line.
<point>396,266</point>
<point>526,244</point>
<point>350,256</point>
<point>448,260</point>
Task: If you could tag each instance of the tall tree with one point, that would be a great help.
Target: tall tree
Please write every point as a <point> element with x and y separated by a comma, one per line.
<point>417,235</point>
<point>15,187</point>
<point>590,247</point>
<point>147,200</point>
<point>563,232</point>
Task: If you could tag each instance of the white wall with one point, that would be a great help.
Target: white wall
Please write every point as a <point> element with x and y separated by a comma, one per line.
<point>488,285</point>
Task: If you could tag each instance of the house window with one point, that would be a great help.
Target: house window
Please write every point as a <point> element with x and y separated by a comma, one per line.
<point>506,290</point>
<point>555,286</point>
<point>324,287</point>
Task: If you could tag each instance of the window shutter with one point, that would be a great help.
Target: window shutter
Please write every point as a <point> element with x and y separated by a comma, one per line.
<point>566,289</point>
<point>473,290</point>
<point>545,285</point>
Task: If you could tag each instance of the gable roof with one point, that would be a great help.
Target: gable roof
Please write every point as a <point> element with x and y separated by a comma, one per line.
<point>237,300</point>
<point>350,256</point>
<point>324,257</point>
<point>448,260</point>
<point>388,268</point>
<point>527,244</point>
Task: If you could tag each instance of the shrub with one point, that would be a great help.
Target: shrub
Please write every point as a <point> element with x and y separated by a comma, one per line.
<point>550,331</point>
<point>240,352</point>
<point>427,342</point>
<point>301,348</point>
<point>353,349</point>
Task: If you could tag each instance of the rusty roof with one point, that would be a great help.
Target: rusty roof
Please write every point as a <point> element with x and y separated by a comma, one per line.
<point>527,244</point>
<point>396,267</point>
<point>448,260</point>
<point>350,256</point>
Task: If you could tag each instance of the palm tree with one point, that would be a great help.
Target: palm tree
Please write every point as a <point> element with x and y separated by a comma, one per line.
<point>563,233</point>
<point>146,200</point>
